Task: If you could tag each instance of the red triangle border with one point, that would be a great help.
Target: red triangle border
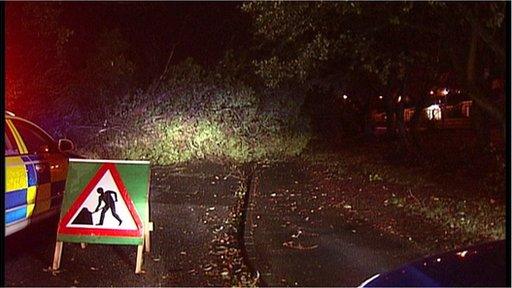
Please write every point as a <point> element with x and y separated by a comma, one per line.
<point>62,229</point>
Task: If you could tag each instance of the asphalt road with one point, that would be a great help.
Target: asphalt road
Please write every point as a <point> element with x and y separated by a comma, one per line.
<point>188,205</point>
<point>300,238</point>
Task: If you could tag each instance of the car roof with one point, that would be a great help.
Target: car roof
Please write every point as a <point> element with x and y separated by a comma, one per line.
<point>454,268</point>
<point>10,115</point>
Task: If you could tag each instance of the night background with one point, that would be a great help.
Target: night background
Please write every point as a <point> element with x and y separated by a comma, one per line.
<point>375,117</point>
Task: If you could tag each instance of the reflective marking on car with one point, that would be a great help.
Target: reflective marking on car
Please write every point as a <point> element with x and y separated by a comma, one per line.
<point>15,174</point>
<point>17,137</point>
<point>15,198</point>
<point>34,183</point>
<point>31,200</point>
<point>27,185</point>
<point>18,214</point>
<point>31,173</point>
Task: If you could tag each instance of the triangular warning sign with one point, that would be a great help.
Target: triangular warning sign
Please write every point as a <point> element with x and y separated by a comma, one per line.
<point>103,208</point>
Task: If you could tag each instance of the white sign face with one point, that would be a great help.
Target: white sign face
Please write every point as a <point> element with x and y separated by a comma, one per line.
<point>100,210</point>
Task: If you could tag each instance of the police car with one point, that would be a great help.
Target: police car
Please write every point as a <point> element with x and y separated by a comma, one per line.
<point>35,173</point>
<point>483,265</point>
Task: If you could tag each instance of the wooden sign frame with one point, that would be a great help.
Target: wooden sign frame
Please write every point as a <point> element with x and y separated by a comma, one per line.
<point>89,236</point>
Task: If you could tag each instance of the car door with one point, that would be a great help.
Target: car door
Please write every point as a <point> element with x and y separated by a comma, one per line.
<point>19,196</point>
<point>49,167</point>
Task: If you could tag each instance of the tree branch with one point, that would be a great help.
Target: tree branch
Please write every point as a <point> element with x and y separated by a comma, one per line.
<point>474,21</point>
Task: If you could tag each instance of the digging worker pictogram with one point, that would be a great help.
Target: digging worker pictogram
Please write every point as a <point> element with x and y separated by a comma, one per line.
<point>106,196</point>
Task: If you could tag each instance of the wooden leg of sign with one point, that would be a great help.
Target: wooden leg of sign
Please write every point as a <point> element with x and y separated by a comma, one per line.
<point>56,255</point>
<point>83,245</point>
<point>138,264</point>
<point>147,239</point>
<point>149,227</point>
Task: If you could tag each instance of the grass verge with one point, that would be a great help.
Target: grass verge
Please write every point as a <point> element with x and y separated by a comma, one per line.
<point>462,207</point>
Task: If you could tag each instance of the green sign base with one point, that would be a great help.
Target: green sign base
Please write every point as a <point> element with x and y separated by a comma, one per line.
<point>120,191</point>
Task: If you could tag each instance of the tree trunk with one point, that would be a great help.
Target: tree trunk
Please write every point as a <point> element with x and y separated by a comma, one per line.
<point>415,119</point>
<point>482,127</point>
<point>400,123</point>
<point>368,121</point>
<point>480,121</point>
<point>390,113</point>
<point>466,71</point>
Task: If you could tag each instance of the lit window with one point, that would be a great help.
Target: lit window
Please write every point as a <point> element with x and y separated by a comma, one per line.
<point>433,112</point>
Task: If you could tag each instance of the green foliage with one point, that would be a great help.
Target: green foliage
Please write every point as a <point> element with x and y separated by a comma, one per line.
<point>105,82</point>
<point>478,219</point>
<point>381,48</point>
<point>375,177</point>
<point>311,40</point>
<point>197,115</point>
<point>108,73</point>
<point>496,177</point>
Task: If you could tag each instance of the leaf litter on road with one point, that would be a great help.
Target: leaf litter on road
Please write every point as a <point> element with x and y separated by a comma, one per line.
<point>299,246</point>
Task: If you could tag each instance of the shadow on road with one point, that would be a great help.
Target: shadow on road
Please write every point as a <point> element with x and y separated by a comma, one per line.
<point>33,238</point>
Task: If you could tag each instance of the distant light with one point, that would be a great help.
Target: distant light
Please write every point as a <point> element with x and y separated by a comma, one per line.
<point>431,92</point>
<point>399,98</point>
<point>345,96</point>
<point>444,92</point>
<point>462,253</point>
<point>438,259</point>
<point>433,112</point>
<point>380,97</point>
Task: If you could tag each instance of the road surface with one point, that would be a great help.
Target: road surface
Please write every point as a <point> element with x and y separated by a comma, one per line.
<point>300,238</point>
<point>188,206</point>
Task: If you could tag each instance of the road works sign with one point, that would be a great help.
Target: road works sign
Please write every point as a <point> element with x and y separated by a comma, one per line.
<point>105,202</point>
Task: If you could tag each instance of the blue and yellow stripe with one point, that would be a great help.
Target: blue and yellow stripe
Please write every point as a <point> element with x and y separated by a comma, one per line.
<point>30,187</point>
<point>20,190</point>
<point>15,215</point>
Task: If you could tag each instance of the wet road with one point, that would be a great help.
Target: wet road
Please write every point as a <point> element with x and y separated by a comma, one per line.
<point>300,237</point>
<point>188,204</point>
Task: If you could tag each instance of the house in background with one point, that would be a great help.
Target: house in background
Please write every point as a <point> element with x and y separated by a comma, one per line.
<point>443,112</point>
